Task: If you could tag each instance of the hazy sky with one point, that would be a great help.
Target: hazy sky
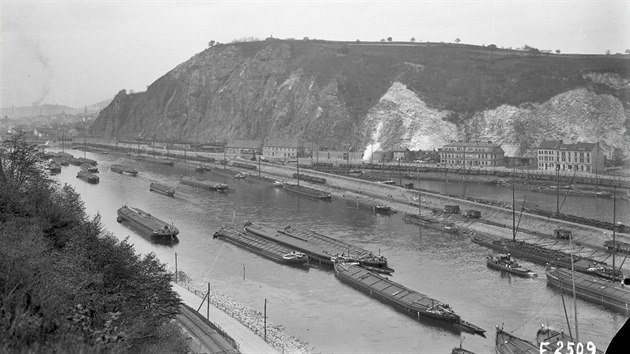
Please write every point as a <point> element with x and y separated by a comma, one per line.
<point>79,53</point>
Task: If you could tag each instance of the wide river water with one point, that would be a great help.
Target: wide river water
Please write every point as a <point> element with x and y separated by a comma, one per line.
<point>312,304</point>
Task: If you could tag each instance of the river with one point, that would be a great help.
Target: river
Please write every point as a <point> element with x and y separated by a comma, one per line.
<point>312,304</point>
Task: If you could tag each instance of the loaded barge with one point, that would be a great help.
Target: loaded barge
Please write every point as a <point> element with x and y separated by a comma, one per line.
<point>90,177</point>
<point>146,223</point>
<point>319,248</point>
<point>210,185</point>
<point>163,189</point>
<point>306,191</point>
<point>124,169</point>
<point>506,343</point>
<point>614,295</point>
<point>544,256</point>
<point>410,302</point>
<point>354,253</point>
<point>266,248</point>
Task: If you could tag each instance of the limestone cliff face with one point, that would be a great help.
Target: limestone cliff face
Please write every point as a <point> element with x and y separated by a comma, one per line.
<point>369,96</point>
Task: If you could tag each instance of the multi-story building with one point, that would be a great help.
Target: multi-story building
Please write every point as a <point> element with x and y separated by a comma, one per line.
<point>288,148</point>
<point>578,157</point>
<point>240,147</point>
<point>471,154</point>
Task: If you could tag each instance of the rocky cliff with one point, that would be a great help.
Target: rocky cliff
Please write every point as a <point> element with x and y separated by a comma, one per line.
<point>367,96</point>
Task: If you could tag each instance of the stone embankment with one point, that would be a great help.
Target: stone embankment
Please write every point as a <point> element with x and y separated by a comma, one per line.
<point>252,319</point>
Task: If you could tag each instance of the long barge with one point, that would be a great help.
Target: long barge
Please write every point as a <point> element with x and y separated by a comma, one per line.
<point>266,248</point>
<point>205,184</point>
<point>319,248</point>
<point>506,343</point>
<point>307,191</point>
<point>87,176</point>
<point>124,169</point>
<point>338,247</point>
<point>146,223</point>
<point>403,299</point>
<point>430,223</point>
<point>544,256</point>
<point>613,295</point>
<point>161,188</point>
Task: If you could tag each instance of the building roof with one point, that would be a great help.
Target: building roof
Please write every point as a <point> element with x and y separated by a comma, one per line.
<point>289,142</point>
<point>560,145</point>
<point>473,144</point>
<point>244,144</point>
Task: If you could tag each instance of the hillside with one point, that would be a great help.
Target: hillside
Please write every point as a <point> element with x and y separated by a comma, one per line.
<point>394,95</point>
<point>38,110</point>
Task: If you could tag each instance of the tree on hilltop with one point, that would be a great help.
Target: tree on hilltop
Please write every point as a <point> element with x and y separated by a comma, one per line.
<point>457,40</point>
<point>389,39</point>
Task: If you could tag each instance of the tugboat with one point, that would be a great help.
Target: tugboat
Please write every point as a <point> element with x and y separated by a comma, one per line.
<point>89,177</point>
<point>278,184</point>
<point>505,262</point>
<point>382,208</point>
<point>240,175</point>
<point>145,223</point>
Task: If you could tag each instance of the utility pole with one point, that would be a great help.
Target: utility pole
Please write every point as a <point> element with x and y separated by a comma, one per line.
<point>265,319</point>
<point>175,267</point>
<point>208,304</point>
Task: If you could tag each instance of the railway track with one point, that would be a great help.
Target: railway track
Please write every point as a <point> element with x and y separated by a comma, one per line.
<point>205,339</point>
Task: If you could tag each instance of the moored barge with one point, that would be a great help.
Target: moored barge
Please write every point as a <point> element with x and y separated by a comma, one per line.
<point>124,169</point>
<point>266,248</point>
<point>506,343</point>
<point>544,256</point>
<point>89,168</point>
<point>613,295</point>
<point>145,223</point>
<point>403,299</point>
<point>53,168</point>
<point>430,223</point>
<point>307,191</point>
<point>205,184</point>
<point>334,246</point>
<point>161,188</point>
<point>89,177</point>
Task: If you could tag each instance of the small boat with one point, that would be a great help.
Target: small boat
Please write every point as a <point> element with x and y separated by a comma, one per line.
<point>382,208</point>
<point>89,177</point>
<point>145,223</point>
<point>505,262</point>
<point>388,181</point>
<point>278,184</point>
<point>75,161</point>
<point>89,168</point>
<point>403,299</point>
<point>210,185</point>
<point>450,228</point>
<point>506,343</point>
<point>240,175</point>
<point>266,248</point>
<point>603,194</point>
<point>161,188</point>
<point>124,169</point>
<point>201,168</point>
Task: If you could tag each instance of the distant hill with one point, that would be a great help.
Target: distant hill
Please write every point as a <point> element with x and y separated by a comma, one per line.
<point>370,95</point>
<point>31,111</point>
<point>98,106</point>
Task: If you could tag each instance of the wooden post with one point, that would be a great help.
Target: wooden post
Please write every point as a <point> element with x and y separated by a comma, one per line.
<point>208,305</point>
<point>175,267</point>
<point>265,319</point>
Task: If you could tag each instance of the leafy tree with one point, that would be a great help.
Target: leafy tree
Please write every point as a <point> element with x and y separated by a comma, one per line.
<point>607,51</point>
<point>457,40</point>
<point>492,46</point>
<point>389,39</point>
<point>557,51</point>
<point>627,51</point>
<point>413,39</point>
<point>211,43</point>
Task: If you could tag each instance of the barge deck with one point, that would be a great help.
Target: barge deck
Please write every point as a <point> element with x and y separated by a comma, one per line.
<point>146,223</point>
<point>403,299</point>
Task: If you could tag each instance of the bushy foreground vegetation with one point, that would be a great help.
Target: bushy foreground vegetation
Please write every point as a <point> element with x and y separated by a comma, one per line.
<point>65,285</point>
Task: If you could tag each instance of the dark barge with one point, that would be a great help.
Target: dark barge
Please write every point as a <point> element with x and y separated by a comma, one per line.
<point>505,263</point>
<point>613,295</point>
<point>89,168</point>
<point>319,248</point>
<point>544,256</point>
<point>306,191</point>
<point>351,252</point>
<point>89,177</point>
<point>430,223</point>
<point>266,248</point>
<point>146,223</point>
<point>161,188</point>
<point>210,185</point>
<point>124,169</point>
<point>506,343</point>
<point>405,300</point>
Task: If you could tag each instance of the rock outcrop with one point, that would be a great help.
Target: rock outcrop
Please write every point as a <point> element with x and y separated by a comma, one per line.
<point>377,95</point>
